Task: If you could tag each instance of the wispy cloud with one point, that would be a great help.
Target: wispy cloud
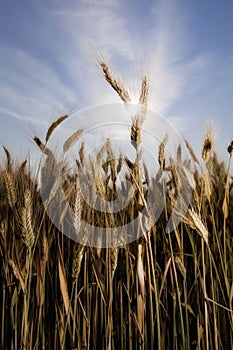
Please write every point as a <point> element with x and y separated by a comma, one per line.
<point>31,87</point>
<point>20,117</point>
<point>36,86</point>
<point>170,60</point>
<point>163,52</point>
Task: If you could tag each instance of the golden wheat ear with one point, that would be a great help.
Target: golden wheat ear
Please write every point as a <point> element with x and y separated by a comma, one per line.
<point>11,194</point>
<point>8,158</point>
<point>135,134</point>
<point>143,99</point>
<point>161,152</point>
<point>208,144</point>
<point>114,83</point>
<point>27,227</point>
<point>191,152</point>
<point>77,261</point>
<point>72,139</point>
<point>54,125</point>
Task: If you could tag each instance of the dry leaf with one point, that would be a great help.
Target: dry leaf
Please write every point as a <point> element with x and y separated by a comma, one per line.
<point>63,284</point>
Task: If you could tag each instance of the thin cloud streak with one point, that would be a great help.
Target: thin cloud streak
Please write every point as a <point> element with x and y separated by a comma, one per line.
<point>22,117</point>
<point>31,87</point>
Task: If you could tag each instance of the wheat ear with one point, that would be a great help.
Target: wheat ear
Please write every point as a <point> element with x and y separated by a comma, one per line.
<point>161,153</point>
<point>208,144</point>
<point>143,99</point>
<point>193,220</point>
<point>28,233</point>
<point>114,259</point>
<point>54,125</point>
<point>10,189</point>
<point>115,84</point>
<point>71,140</point>
<point>77,206</point>
<point>8,157</point>
<point>77,261</point>
<point>191,151</point>
<point>135,134</point>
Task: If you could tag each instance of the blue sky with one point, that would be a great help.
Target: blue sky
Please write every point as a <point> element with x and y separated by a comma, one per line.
<point>48,62</point>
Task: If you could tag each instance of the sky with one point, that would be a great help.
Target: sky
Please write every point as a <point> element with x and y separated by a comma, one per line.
<point>49,52</point>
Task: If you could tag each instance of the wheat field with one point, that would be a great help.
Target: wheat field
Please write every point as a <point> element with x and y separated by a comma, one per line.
<point>165,290</point>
